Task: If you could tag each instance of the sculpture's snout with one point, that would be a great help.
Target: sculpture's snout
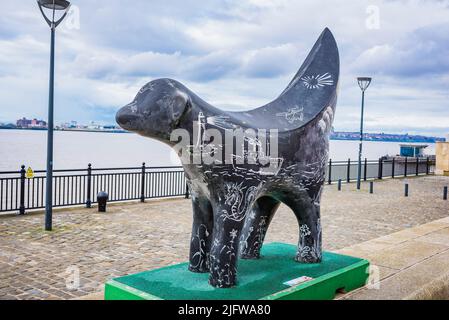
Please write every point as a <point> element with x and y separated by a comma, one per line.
<point>127,118</point>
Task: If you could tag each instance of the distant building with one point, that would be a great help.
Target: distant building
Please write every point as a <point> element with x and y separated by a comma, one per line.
<point>110,127</point>
<point>33,123</point>
<point>412,150</point>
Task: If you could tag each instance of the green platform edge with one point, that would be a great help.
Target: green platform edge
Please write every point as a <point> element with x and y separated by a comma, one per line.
<point>321,288</point>
<point>325,287</point>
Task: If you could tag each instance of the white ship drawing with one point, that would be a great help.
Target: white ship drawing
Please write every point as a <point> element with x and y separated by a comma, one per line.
<point>272,164</point>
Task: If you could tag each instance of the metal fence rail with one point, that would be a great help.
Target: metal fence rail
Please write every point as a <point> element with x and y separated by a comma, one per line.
<point>379,169</point>
<point>80,186</point>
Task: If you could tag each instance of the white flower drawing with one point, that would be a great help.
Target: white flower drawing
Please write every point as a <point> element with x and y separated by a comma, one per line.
<point>304,231</point>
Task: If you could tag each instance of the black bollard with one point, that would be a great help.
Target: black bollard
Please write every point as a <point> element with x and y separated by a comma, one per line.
<point>339,184</point>
<point>102,199</point>
<point>371,187</point>
<point>445,193</point>
<point>406,190</point>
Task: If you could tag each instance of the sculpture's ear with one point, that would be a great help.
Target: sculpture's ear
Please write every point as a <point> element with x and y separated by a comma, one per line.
<point>180,106</point>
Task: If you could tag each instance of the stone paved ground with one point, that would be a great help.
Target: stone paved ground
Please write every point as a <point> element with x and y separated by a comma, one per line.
<point>133,237</point>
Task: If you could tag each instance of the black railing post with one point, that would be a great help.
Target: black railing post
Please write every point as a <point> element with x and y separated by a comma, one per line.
<point>406,190</point>
<point>348,177</point>
<point>392,168</point>
<point>371,187</point>
<point>417,166</point>
<point>142,184</point>
<point>380,172</point>
<point>445,193</point>
<point>339,184</point>
<point>329,180</point>
<point>364,169</point>
<point>22,190</point>
<point>427,166</point>
<point>89,186</point>
<point>405,166</point>
<point>187,191</point>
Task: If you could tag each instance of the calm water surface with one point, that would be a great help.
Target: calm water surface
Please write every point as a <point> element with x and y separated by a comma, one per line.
<point>77,149</point>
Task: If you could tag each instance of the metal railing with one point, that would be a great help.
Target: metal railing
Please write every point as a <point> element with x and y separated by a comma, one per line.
<point>379,169</point>
<point>73,187</point>
<point>80,186</point>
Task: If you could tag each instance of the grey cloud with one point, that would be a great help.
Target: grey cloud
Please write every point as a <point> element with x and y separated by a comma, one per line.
<point>271,61</point>
<point>421,52</point>
<point>147,25</point>
<point>153,64</point>
<point>212,66</point>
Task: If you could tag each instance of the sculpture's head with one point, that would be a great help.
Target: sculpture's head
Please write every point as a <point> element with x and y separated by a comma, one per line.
<point>156,110</point>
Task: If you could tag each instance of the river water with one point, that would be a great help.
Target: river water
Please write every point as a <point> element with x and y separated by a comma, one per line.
<point>77,149</point>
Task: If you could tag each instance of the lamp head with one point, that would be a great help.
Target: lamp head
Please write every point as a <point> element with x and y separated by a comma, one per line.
<point>54,4</point>
<point>364,82</point>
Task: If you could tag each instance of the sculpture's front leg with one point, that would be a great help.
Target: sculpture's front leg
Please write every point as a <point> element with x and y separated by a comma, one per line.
<point>224,251</point>
<point>200,241</point>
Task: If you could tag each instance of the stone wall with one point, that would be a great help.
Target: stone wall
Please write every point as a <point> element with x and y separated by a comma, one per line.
<point>442,158</point>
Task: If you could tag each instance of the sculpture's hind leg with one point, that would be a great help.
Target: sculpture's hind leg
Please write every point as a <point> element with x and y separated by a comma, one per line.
<point>307,211</point>
<point>201,235</point>
<point>256,226</point>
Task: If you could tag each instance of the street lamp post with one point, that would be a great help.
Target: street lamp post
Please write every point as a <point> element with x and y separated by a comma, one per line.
<point>51,6</point>
<point>364,83</point>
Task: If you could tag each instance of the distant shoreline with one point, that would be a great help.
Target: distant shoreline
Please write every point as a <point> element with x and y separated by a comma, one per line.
<point>349,136</point>
<point>386,140</point>
<point>70,130</point>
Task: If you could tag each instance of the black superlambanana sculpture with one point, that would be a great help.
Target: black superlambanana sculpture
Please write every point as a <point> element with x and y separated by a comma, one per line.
<point>236,193</point>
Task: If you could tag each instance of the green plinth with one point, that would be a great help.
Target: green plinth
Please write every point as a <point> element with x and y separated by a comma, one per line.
<point>258,279</point>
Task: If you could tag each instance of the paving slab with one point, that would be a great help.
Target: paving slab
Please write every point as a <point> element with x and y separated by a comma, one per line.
<point>407,254</point>
<point>437,289</point>
<point>403,284</point>
<point>413,233</point>
<point>366,249</point>
<point>438,237</point>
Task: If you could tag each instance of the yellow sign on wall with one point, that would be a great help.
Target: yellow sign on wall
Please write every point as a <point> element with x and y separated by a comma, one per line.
<point>30,173</point>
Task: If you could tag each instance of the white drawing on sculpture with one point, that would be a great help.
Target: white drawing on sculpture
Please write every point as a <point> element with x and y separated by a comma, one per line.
<point>292,115</point>
<point>317,81</point>
<point>201,257</point>
<point>238,200</point>
<point>309,252</point>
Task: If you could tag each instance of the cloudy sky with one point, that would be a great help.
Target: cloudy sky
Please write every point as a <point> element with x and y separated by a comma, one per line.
<point>234,54</point>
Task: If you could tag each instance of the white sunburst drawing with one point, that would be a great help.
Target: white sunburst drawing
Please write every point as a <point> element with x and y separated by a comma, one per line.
<point>318,81</point>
